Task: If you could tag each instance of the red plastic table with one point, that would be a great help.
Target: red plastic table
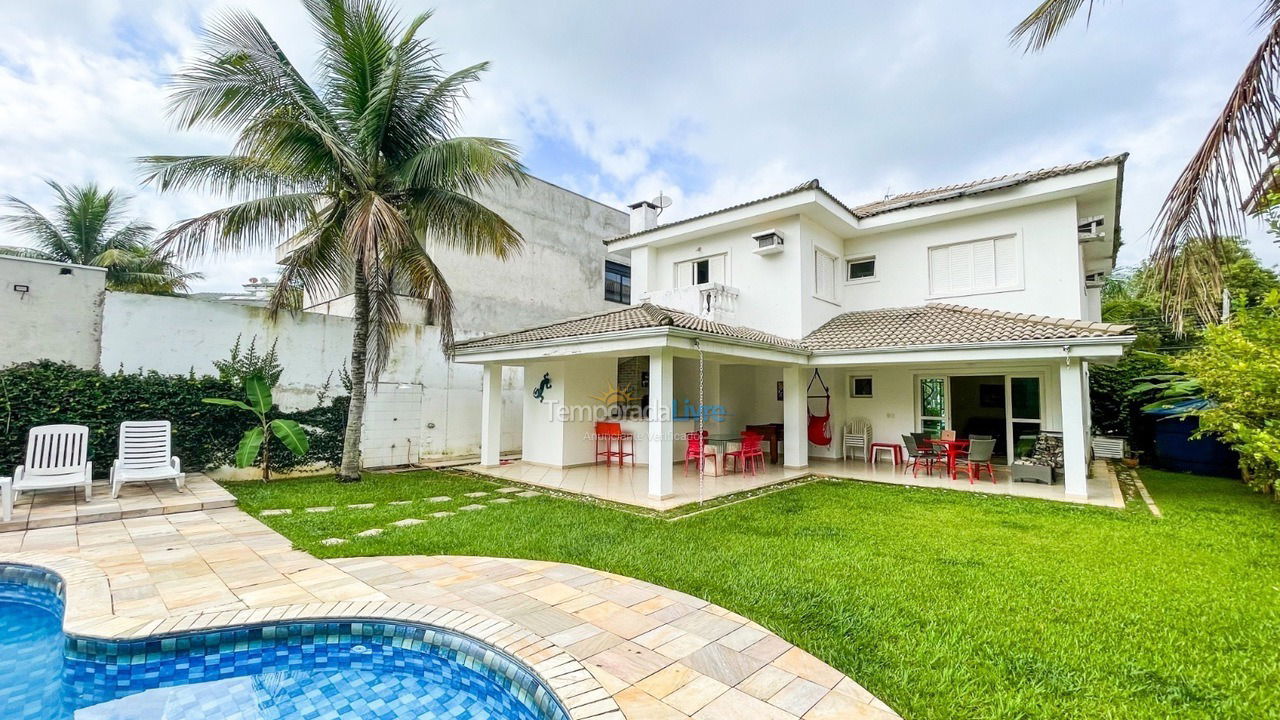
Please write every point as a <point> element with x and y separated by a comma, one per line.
<point>952,448</point>
<point>894,447</point>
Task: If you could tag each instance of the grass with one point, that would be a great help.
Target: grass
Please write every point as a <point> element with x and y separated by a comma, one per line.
<point>944,604</point>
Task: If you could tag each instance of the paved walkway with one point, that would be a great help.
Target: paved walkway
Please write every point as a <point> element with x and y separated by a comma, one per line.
<point>612,646</point>
<point>52,508</point>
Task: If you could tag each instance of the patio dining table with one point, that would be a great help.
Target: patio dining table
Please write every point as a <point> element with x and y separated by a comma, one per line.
<point>952,448</point>
<point>721,441</point>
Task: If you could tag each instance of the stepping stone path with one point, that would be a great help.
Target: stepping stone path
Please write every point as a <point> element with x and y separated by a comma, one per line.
<point>361,506</point>
<point>371,532</point>
<point>476,494</point>
<point>439,498</point>
<point>333,541</point>
<point>495,501</point>
<point>407,522</point>
<point>400,502</point>
<point>507,490</point>
<point>529,493</point>
<point>282,511</point>
<point>320,509</point>
<point>471,507</point>
<point>441,514</point>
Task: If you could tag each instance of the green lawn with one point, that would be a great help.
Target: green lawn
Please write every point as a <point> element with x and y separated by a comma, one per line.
<point>944,604</point>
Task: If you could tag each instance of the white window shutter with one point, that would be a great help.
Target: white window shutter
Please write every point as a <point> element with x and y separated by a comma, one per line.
<point>984,264</point>
<point>939,264</point>
<point>1006,263</point>
<point>715,269</point>
<point>961,265</point>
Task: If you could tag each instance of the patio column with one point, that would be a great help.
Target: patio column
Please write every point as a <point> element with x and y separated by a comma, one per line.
<point>795,431</point>
<point>661,391</point>
<point>491,416</point>
<point>1074,423</point>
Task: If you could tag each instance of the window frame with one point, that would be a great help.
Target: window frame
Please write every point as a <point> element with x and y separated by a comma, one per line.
<point>1020,277</point>
<point>624,283</point>
<point>692,262</point>
<point>853,385</point>
<point>875,269</point>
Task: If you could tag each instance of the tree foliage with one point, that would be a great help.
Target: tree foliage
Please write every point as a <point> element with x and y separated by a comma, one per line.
<point>89,227</point>
<point>1238,369</point>
<point>254,441</point>
<point>356,172</point>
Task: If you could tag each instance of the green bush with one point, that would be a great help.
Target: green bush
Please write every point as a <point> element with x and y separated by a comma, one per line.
<point>204,435</point>
<point>1115,411</point>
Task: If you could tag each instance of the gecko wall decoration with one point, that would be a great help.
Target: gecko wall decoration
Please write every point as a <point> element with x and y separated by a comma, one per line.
<point>542,386</point>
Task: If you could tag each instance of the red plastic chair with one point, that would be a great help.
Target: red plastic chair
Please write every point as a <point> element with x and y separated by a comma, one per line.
<point>609,432</point>
<point>749,455</point>
<point>697,450</point>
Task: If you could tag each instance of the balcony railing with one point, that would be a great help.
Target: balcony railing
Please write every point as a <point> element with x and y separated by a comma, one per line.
<point>710,301</point>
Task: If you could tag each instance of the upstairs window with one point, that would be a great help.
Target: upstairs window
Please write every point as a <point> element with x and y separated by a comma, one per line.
<point>862,268</point>
<point>977,266</point>
<point>617,282</point>
<point>824,275</point>
<point>700,271</point>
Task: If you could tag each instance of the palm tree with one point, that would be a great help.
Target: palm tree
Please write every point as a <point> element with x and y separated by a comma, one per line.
<point>1226,179</point>
<point>355,172</point>
<point>88,227</point>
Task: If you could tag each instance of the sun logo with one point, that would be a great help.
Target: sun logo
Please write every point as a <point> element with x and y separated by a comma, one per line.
<point>615,395</point>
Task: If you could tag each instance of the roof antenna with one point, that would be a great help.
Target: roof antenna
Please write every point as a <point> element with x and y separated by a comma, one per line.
<point>888,191</point>
<point>662,202</point>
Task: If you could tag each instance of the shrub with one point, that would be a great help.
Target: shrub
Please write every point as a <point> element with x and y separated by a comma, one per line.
<point>204,435</point>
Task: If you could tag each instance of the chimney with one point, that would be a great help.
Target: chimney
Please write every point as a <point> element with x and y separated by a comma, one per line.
<point>644,216</point>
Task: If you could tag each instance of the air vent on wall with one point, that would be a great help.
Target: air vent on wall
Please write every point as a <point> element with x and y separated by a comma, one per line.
<point>767,242</point>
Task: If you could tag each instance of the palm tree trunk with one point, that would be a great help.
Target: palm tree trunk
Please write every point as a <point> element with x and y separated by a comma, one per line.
<point>350,470</point>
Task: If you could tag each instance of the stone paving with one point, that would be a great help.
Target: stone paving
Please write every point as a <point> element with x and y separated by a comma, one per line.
<point>612,646</point>
<point>55,508</point>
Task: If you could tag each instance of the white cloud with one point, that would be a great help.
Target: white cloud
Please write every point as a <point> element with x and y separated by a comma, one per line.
<point>619,101</point>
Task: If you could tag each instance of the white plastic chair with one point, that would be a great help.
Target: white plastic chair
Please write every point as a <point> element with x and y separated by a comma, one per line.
<point>145,455</point>
<point>857,436</point>
<point>57,457</point>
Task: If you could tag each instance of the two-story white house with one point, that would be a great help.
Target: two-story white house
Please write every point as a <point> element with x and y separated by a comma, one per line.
<point>973,308</point>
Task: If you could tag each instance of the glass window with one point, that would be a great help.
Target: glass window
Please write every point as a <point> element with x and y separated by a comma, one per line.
<point>933,401</point>
<point>617,282</point>
<point>860,387</point>
<point>862,269</point>
<point>1026,397</point>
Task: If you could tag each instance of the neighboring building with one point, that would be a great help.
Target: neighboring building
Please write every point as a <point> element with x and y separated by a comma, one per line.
<point>255,292</point>
<point>971,307</point>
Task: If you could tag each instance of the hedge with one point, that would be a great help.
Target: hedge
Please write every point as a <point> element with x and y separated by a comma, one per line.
<point>204,435</point>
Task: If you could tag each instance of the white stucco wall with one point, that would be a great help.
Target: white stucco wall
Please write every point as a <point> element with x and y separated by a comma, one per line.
<point>1049,254</point>
<point>59,315</point>
<point>178,335</point>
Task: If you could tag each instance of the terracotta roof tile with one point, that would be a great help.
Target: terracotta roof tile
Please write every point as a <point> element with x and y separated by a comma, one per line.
<point>942,324</point>
<point>911,199</point>
<point>926,325</point>
<point>635,317</point>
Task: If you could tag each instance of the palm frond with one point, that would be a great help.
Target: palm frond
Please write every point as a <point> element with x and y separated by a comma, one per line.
<point>423,280</point>
<point>464,164</point>
<point>233,175</point>
<point>1211,196</point>
<point>26,252</point>
<point>458,221</point>
<point>319,264</point>
<point>253,224</point>
<point>24,219</point>
<point>1038,29</point>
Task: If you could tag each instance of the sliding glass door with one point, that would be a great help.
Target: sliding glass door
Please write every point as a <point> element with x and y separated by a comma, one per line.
<point>933,405</point>
<point>1024,412</point>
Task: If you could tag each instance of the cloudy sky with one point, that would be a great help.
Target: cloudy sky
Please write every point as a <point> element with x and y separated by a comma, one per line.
<point>621,100</point>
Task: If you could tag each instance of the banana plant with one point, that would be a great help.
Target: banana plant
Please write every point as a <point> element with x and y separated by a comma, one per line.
<point>290,433</point>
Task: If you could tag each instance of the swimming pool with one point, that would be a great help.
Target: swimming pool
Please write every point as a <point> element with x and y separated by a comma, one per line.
<point>305,670</point>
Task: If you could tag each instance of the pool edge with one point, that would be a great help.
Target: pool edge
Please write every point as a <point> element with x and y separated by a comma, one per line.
<point>85,584</point>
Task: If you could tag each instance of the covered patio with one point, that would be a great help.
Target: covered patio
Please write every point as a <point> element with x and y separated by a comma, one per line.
<point>629,486</point>
<point>658,376</point>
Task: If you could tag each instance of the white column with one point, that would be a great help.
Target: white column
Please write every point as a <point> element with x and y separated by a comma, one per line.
<point>1074,424</point>
<point>795,420</point>
<point>491,416</point>
<point>661,427</point>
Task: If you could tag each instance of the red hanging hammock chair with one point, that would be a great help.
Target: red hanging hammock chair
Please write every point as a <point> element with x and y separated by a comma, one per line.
<point>819,425</point>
